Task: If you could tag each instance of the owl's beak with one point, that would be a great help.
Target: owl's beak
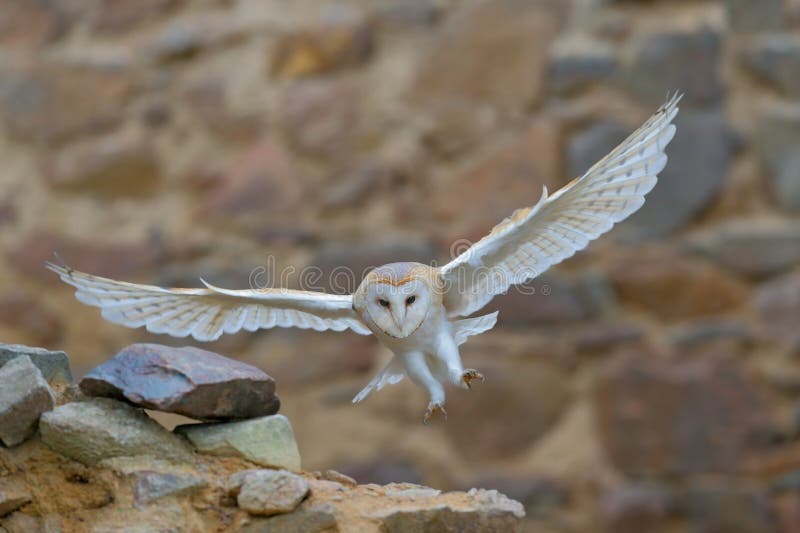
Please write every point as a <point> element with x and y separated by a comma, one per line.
<point>399,317</point>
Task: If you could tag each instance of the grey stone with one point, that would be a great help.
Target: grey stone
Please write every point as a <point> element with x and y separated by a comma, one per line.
<point>747,16</point>
<point>152,486</point>
<point>314,519</point>
<point>591,144</point>
<point>733,509</point>
<point>754,249</point>
<point>188,381</point>
<point>267,492</point>
<point>699,159</point>
<point>13,495</point>
<point>101,428</point>
<point>24,396</point>
<point>267,441</point>
<point>488,512</point>
<point>778,138</point>
<point>569,73</point>
<point>54,365</point>
<point>635,508</point>
<point>688,62</point>
<point>776,60</point>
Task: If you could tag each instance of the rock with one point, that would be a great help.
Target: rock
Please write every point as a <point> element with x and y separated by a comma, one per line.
<point>537,391</point>
<point>673,287</point>
<point>343,265</point>
<point>776,60</point>
<point>486,512</point>
<point>99,429</point>
<point>699,159</point>
<point>539,495</point>
<point>510,175</point>
<point>119,16</point>
<point>603,337</point>
<point>570,71</point>
<point>686,336</point>
<point>382,471</point>
<point>21,310</point>
<point>50,103</point>
<point>734,509</point>
<point>658,417</point>
<point>208,102</point>
<point>24,396</point>
<point>13,495</point>
<point>321,116</point>
<point>152,486</point>
<point>306,519</point>
<point>267,441</point>
<point>591,144</point>
<point>262,180</point>
<point>187,381</point>
<point>778,135</point>
<point>26,25</point>
<point>767,16</point>
<point>344,40</point>
<point>122,165</point>
<point>689,62</point>
<point>402,14</point>
<point>778,305</point>
<point>461,64</point>
<point>187,37</point>
<point>752,248</point>
<point>548,299</point>
<point>54,365</point>
<point>267,492</point>
<point>634,508</point>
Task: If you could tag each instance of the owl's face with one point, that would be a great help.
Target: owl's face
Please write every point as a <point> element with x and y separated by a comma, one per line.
<point>398,310</point>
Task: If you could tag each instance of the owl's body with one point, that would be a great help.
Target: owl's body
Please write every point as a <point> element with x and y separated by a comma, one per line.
<point>414,309</point>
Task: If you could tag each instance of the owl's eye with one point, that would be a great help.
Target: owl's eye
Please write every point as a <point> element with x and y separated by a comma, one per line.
<point>410,300</point>
<point>384,303</point>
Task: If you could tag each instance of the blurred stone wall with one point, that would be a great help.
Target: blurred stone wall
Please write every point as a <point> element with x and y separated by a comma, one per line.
<point>653,380</point>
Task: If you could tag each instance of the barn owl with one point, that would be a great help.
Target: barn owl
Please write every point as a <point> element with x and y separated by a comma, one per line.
<point>413,309</point>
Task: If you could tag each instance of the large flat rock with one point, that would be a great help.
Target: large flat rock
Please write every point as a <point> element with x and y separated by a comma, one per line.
<point>53,364</point>
<point>187,381</point>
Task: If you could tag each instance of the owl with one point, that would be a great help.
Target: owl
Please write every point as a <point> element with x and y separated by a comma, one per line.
<point>413,309</point>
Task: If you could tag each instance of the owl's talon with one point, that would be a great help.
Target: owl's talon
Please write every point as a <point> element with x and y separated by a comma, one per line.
<point>432,408</point>
<point>471,375</point>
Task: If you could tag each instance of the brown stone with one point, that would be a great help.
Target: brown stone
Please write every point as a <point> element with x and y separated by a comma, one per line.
<point>635,508</point>
<point>123,164</point>
<point>263,180</point>
<point>208,101</point>
<point>778,306</point>
<point>484,423</point>
<point>332,45</point>
<point>21,310</point>
<point>29,24</point>
<point>488,54</point>
<point>665,417</point>
<point>51,102</point>
<point>186,381</point>
<point>673,287</point>
<point>320,116</point>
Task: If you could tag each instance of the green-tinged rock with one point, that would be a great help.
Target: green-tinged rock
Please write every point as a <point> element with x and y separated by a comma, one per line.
<point>54,365</point>
<point>24,396</point>
<point>152,486</point>
<point>267,492</point>
<point>310,520</point>
<point>267,441</point>
<point>100,429</point>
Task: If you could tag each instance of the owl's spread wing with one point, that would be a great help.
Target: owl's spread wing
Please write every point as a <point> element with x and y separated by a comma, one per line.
<point>207,313</point>
<point>533,239</point>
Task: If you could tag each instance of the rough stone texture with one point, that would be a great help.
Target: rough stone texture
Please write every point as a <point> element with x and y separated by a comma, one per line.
<point>54,365</point>
<point>187,381</point>
<point>723,508</point>
<point>152,486</point>
<point>590,144</point>
<point>306,519</point>
<point>24,396</point>
<point>100,429</point>
<point>13,495</point>
<point>267,492</point>
<point>668,61</point>
<point>661,417</point>
<point>769,16</point>
<point>757,249</point>
<point>776,60</point>
<point>634,508</point>
<point>778,305</point>
<point>267,441</point>
<point>572,72</point>
<point>778,135</point>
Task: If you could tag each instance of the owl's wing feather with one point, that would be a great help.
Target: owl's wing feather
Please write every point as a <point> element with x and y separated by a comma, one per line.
<point>207,313</point>
<point>533,239</point>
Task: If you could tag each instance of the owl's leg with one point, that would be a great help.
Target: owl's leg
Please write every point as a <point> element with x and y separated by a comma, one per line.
<point>447,352</point>
<point>417,369</point>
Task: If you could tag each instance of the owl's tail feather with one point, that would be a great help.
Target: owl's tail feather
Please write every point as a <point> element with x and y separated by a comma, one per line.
<point>462,329</point>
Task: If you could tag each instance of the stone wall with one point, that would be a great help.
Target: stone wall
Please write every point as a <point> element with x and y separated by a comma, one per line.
<point>651,381</point>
